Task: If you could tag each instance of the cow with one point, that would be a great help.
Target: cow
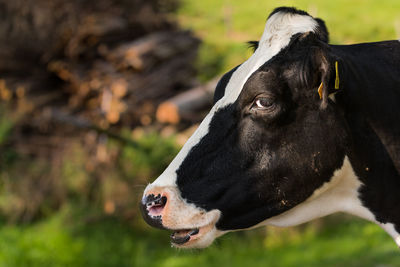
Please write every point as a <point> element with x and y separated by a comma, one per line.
<point>300,130</point>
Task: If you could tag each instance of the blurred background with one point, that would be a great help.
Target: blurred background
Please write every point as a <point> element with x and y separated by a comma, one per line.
<point>96,98</point>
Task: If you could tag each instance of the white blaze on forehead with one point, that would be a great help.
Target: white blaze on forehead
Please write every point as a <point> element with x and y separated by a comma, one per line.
<point>278,31</point>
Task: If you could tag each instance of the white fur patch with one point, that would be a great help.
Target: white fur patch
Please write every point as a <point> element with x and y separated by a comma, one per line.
<point>278,31</point>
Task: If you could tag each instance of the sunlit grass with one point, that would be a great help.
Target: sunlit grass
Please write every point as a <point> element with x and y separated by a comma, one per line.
<point>64,240</point>
<point>225,26</point>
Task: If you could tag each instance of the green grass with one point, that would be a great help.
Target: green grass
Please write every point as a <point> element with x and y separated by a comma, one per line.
<point>225,26</point>
<point>64,241</point>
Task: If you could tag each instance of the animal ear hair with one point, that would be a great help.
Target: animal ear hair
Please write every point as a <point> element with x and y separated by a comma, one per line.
<point>327,68</point>
<point>319,65</point>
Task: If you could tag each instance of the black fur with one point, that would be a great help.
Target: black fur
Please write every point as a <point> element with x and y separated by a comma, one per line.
<point>220,89</point>
<point>370,98</point>
<point>253,45</point>
<point>322,30</point>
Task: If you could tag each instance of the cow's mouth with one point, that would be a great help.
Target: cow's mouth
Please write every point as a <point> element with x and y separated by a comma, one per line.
<point>199,237</point>
<point>181,237</point>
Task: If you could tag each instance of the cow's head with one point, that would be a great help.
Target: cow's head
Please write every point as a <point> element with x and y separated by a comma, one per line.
<point>269,142</point>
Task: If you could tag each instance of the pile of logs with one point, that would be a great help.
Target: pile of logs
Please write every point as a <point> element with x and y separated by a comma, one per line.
<point>74,74</point>
<point>98,64</point>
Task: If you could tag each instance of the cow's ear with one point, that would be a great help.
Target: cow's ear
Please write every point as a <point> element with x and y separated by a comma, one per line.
<point>318,64</point>
<point>327,67</point>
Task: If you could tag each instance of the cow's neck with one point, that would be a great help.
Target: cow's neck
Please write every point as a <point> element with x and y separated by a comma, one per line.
<point>375,151</point>
<point>337,195</point>
<point>340,194</point>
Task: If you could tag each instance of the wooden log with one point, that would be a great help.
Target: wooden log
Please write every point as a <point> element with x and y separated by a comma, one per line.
<point>148,51</point>
<point>185,105</point>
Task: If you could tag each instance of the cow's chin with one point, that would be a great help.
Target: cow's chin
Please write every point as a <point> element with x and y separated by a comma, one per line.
<point>199,237</point>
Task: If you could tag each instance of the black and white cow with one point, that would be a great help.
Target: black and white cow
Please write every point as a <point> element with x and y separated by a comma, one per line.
<point>300,130</point>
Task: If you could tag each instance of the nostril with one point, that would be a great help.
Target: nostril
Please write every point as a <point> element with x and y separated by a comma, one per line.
<point>158,200</point>
<point>155,204</point>
<point>152,207</point>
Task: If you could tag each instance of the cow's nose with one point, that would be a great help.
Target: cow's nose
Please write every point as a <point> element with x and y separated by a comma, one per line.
<point>152,207</point>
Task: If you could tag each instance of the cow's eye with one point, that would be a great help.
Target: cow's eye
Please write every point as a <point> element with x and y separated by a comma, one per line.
<point>262,103</point>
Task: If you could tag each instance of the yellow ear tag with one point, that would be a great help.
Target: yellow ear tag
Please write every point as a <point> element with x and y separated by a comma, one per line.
<point>337,75</point>
<point>320,90</point>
